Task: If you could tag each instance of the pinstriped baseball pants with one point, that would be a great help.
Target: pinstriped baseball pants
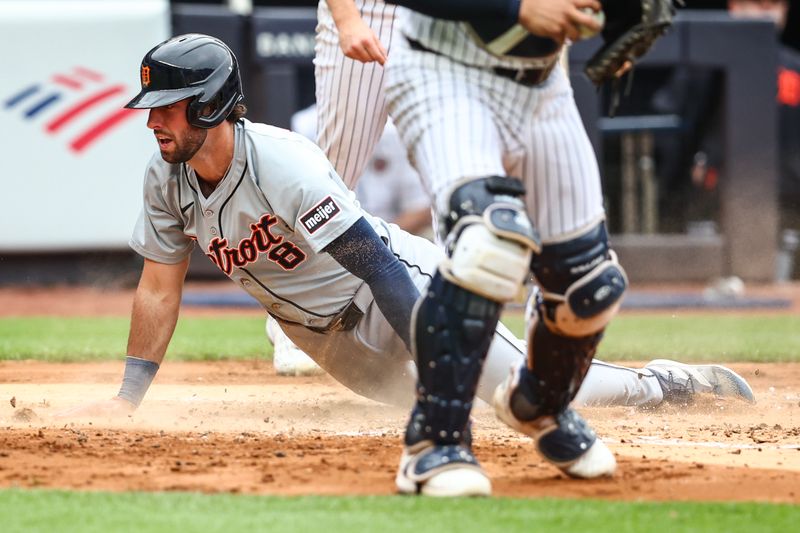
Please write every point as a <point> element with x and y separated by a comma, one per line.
<point>460,122</point>
<point>351,106</point>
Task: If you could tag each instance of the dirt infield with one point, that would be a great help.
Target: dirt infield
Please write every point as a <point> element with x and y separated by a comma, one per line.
<point>236,427</point>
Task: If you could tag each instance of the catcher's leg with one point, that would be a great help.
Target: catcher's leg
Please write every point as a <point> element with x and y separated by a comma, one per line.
<point>582,286</point>
<point>490,242</point>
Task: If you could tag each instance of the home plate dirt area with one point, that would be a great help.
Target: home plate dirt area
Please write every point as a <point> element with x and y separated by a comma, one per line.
<point>237,427</point>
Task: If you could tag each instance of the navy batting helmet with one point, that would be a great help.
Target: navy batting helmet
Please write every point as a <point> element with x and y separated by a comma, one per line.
<point>191,66</point>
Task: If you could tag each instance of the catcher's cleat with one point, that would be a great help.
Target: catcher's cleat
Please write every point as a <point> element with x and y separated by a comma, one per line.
<point>288,359</point>
<point>680,382</point>
<point>564,439</point>
<point>441,470</point>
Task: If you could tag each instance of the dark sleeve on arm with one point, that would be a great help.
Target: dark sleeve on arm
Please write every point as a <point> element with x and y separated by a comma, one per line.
<point>361,251</point>
<point>463,9</point>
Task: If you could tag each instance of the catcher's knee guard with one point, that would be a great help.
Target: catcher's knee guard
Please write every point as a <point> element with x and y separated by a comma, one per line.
<point>451,332</point>
<point>582,283</point>
<point>489,237</point>
<point>582,286</point>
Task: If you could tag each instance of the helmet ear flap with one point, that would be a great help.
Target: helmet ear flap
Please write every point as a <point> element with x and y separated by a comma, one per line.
<point>193,111</point>
<point>219,109</point>
<point>204,113</point>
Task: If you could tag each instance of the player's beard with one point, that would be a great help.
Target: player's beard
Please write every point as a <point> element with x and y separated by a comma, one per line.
<point>186,147</point>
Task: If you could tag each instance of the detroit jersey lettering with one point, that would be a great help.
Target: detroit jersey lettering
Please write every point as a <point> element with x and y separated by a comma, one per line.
<point>264,225</point>
<point>261,241</point>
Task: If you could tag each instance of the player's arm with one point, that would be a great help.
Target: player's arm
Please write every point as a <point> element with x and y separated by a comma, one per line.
<point>361,251</point>
<point>556,19</point>
<point>155,313</point>
<point>356,38</point>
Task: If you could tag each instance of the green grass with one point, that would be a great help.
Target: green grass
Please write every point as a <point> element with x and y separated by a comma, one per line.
<point>87,339</point>
<point>701,337</point>
<point>704,338</point>
<point>723,338</point>
<point>34,510</point>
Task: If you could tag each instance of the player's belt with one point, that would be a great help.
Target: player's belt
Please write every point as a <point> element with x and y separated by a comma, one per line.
<point>528,77</point>
<point>345,320</point>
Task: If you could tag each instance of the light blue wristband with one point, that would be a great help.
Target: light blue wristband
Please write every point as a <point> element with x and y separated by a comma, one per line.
<point>139,374</point>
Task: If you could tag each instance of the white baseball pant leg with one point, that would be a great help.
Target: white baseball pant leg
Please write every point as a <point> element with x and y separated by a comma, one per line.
<point>461,122</point>
<point>351,106</point>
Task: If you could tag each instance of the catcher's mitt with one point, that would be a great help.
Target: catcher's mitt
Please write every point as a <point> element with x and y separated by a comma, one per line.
<point>631,27</point>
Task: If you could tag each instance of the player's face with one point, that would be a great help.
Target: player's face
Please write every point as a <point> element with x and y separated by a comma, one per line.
<point>177,139</point>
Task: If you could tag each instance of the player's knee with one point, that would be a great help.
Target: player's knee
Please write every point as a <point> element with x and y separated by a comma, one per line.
<point>489,237</point>
<point>582,283</point>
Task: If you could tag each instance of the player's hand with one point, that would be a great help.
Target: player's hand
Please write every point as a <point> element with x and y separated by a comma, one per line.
<point>559,19</point>
<point>359,42</point>
<point>112,408</point>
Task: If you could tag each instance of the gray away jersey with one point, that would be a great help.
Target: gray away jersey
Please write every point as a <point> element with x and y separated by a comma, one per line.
<point>278,206</point>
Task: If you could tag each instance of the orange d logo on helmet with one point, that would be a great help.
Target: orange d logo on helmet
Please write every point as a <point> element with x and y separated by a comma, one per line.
<point>145,76</point>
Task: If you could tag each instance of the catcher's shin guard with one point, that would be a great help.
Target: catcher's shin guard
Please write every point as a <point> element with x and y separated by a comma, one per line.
<point>451,332</point>
<point>557,366</point>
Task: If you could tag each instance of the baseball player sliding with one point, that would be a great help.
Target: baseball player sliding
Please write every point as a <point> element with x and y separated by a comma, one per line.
<point>270,211</point>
